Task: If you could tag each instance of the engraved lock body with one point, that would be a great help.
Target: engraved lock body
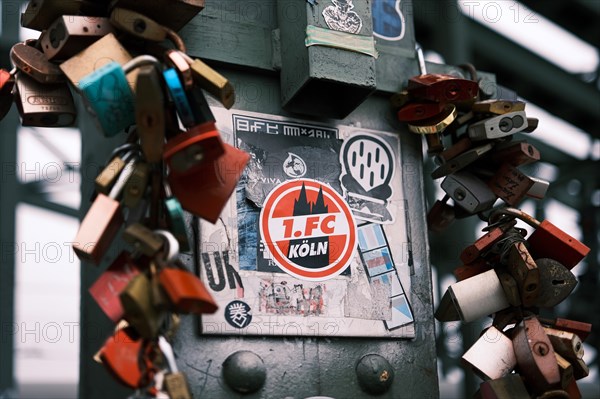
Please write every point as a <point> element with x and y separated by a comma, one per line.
<point>121,356</point>
<point>139,307</point>
<point>468,192</point>
<point>510,184</point>
<point>492,356</point>
<point>35,64</point>
<point>111,283</point>
<point>498,126</point>
<point>102,222</point>
<point>70,34</point>
<point>109,96</point>
<point>44,105</point>
<point>186,292</point>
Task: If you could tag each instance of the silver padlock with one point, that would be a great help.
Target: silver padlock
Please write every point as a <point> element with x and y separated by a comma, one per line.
<point>498,126</point>
<point>469,192</point>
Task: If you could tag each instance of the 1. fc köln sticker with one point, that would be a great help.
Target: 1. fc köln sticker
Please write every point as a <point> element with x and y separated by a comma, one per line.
<point>309,229</point>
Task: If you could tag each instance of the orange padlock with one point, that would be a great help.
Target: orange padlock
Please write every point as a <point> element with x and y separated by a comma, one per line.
<point>189,151</point>
<point>205,192</point>
<point>121,356</point>
<point>186,292</point>
<point>107,288</point>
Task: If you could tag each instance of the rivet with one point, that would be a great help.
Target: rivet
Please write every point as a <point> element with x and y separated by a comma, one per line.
<point>375,374</point>
<point>244,372</point>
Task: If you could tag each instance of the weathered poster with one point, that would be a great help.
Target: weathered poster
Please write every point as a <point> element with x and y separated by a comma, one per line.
<point>314,241</point>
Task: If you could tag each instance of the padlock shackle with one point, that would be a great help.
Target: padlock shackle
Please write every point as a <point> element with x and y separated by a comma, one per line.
<point>167,351</point>
<point>122,180</point>
<point>516,213</point>
<point>420,59</point>
<point>141,61</point>
<point>172,245</point>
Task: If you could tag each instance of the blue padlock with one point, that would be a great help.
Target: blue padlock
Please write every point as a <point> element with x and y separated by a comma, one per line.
<point>107,94</point>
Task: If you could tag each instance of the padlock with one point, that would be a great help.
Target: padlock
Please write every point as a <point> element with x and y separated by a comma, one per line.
<point>44,105</point>
<point>565,343</point>
<point>212,81</point>
<point>461,161</point>
<point>70,34</point>
<point>107,177</point>
<point>102,222</point>
<point>35,64</point>
<point>498,107</point>
<point>462,145</point>
<point>208,200</point>
<point>548,241</point>
<point>176,219</point>
<point>108,95</point>
<point>193,149</point>
<point>175,382</point>
<point>172,13</point>
<point>498,126</point>
<point>40,14</point>
<point>139,308</point>
<point>582,330</point>
<point>532,124</point>
<point>469,270</point>
<point>178,60</point>
<point>477,296</point>
<point>442,88</point>
<point>108,286</point>
<point>137,185</point>
<point>468,192</point>
<point>510,184</point>
<point>508,387</point>
<point>492,356</point>
<point>525,271</point>
<point>556,283</point>
<point>416,111</point>
<point>535,356</point>
<point>436,124</point>
<point>103,51</point>
<point>441,215</point>
<point>121,356</point>
<point>7,82</point>
<point>186,292</point>
<point>150,113</point>
<point>143,239</point>
<point>484,243</point>
<point>144,27</point>
<point>580,369</point>
<point>515,153</point>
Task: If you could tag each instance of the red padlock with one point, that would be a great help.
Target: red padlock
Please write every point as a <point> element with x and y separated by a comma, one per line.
<point>205,192</point>
<point>442,88</point>
<point>418,111</point>
<point>189,151</point>
<point>186,292</point>
<point>121,355</point>
<point>107,288</point>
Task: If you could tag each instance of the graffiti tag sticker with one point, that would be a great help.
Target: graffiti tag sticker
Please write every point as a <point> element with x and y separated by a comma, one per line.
<point>237,314</point>
<point>309,229</point>
<point>368,169</point>
<point>340,17</point>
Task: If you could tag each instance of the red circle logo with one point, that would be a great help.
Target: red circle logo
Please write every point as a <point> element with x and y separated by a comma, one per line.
<point>309,229</point>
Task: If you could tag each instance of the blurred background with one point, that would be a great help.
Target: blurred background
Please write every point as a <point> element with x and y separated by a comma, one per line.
<point>547,52</point>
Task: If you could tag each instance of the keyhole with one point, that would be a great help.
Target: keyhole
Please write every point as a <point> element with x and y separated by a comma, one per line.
<point>139,25</point>
<point>558,282</point>
<point>541,348</point>
<point>531,287</point>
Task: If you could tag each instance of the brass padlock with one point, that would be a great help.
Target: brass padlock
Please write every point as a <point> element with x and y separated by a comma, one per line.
<point>212,81</point>
<point>175,382</point>
<point>102,222</point>
<point>44,105</point>
<point>526,273</point>
<point>144,27</point>
<point>139,308</point>
<point>35,64</point>
<point>143,239</point>
<point>107,177</point>
<point>150,113</point>
<point>498,107</point>
<point>70,34</point>
<point>103,51</point>
<point>137,185</point>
